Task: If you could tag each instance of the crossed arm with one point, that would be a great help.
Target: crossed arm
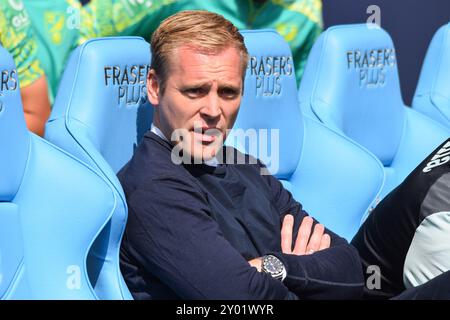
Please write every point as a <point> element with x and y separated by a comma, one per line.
<point>305,243</point>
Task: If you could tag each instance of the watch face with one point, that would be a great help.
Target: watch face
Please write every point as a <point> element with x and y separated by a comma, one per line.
<point>272,265</point>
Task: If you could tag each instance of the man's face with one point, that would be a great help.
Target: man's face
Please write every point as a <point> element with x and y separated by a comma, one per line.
<point>202,92</point>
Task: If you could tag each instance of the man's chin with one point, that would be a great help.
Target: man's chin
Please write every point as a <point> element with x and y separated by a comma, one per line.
<point>190,152</point>
<point>206,154</point>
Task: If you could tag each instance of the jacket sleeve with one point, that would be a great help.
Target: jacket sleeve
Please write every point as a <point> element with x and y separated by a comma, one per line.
<point>333,273</point>
<point>178,242</point>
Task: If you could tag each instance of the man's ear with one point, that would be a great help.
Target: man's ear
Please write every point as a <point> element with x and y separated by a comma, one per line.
<point>153,87</point>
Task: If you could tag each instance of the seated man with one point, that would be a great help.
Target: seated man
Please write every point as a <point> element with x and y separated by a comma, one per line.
<point>200,227</point>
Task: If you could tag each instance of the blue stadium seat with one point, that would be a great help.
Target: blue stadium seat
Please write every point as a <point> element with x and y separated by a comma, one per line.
<point>100,114</point>
<point>351,85</point>
<point>432,96</point>
<point>336,180</point>
<point>52,208</point>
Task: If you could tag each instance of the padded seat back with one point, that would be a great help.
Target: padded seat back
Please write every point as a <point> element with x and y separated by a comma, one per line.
<point>15,145</point>
<point>52,208</point>
<point>432,96</point>
<point>102,101</point>
<point>351,85</point>
<point>268,110</point>
<point>100,114</point>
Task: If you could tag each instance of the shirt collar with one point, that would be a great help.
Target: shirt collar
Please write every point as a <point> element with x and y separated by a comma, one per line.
<point>158,132</point>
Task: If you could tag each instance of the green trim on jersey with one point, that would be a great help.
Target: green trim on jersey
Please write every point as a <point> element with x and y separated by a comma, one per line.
<point>17,37</point>
<point>56,26</point>
<point>298,21</point>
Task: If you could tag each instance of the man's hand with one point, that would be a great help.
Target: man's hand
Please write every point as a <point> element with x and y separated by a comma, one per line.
<point>318,241</point>
<point>256,263</point>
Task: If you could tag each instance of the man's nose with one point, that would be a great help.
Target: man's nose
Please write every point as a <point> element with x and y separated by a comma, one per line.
<point>212,108</point>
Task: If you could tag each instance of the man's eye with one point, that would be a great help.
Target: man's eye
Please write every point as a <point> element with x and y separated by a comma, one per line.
<point>229,93</point>
<point>194,92</point>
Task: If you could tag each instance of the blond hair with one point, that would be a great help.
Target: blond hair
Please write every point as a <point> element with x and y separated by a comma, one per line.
<point>204,31</point>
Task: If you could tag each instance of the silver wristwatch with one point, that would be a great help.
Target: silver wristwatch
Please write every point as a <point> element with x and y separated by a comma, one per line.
<point>274,267</point>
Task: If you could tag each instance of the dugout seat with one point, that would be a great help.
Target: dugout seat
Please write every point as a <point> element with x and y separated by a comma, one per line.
<point>100,114</point>
<point>52,208</point>
<point>351,85</point>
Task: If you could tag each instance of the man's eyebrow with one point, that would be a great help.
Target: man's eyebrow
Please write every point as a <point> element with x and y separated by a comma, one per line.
<point>195,85</point>
<point>207,85</point>
<point>229,87</point>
